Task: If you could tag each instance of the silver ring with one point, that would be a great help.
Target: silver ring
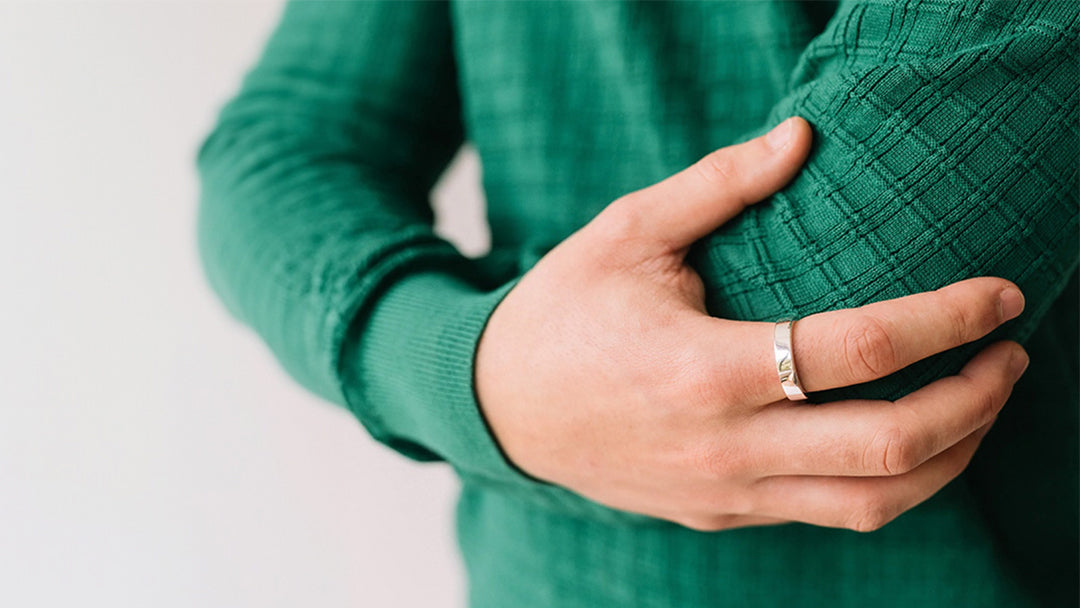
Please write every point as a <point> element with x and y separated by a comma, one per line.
<point>785,361</point>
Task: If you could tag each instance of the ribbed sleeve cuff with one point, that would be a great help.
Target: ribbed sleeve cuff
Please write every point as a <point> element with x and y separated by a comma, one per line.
<point>408,374</point>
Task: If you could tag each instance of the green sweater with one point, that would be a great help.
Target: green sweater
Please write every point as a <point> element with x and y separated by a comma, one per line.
<point>946,147</point>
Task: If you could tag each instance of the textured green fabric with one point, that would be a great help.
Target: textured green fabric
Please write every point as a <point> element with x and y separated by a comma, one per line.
<point>946,147</point>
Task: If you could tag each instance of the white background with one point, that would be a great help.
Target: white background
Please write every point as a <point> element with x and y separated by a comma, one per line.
<point>152,453</point>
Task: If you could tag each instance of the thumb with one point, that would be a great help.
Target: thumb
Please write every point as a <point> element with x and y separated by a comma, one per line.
<point>692,203</point>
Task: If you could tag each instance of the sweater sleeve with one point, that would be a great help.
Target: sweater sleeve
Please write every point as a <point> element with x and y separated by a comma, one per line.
<point>946,147</point>
<point>315,230</point>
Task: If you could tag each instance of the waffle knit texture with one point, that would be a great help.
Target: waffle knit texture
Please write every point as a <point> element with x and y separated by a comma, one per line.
<point>946,147</point>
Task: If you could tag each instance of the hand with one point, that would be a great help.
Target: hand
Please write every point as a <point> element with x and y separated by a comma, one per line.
<point>602,372</point>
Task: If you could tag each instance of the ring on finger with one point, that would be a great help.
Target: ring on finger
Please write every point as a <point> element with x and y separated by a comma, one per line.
<point>785,360</point>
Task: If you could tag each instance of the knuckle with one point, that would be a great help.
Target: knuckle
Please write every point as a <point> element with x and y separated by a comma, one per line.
<point>708,461</point>
<point>869,350</point>
<point>738,503</point>
<point>619,223</point>
<point>984,400</point>
<point>872,513</point>
<point>891,452</point>
<point>960,321</point>
<point>968,321</point>
<point>721,462</point>
<point>985,319</point>
<point>707,386</point>
<point>719,167</point>
<point>988,401</point>
<point>706,523</point>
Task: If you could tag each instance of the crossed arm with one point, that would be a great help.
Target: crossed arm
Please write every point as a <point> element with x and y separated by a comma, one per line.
<point>945,150</point>
<point>314,226</point>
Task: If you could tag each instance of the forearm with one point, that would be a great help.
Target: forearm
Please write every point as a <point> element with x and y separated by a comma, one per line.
<point>315,229</point>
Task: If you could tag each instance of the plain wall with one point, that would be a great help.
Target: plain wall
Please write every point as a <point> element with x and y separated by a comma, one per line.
<point>152,452</point>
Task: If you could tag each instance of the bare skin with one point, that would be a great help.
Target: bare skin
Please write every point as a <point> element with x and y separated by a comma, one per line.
<point>602,372</point>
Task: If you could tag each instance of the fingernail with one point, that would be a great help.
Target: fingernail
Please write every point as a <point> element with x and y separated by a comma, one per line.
<point>1018,364</point>
<point>778,138</point>
<point>1012,303</point>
